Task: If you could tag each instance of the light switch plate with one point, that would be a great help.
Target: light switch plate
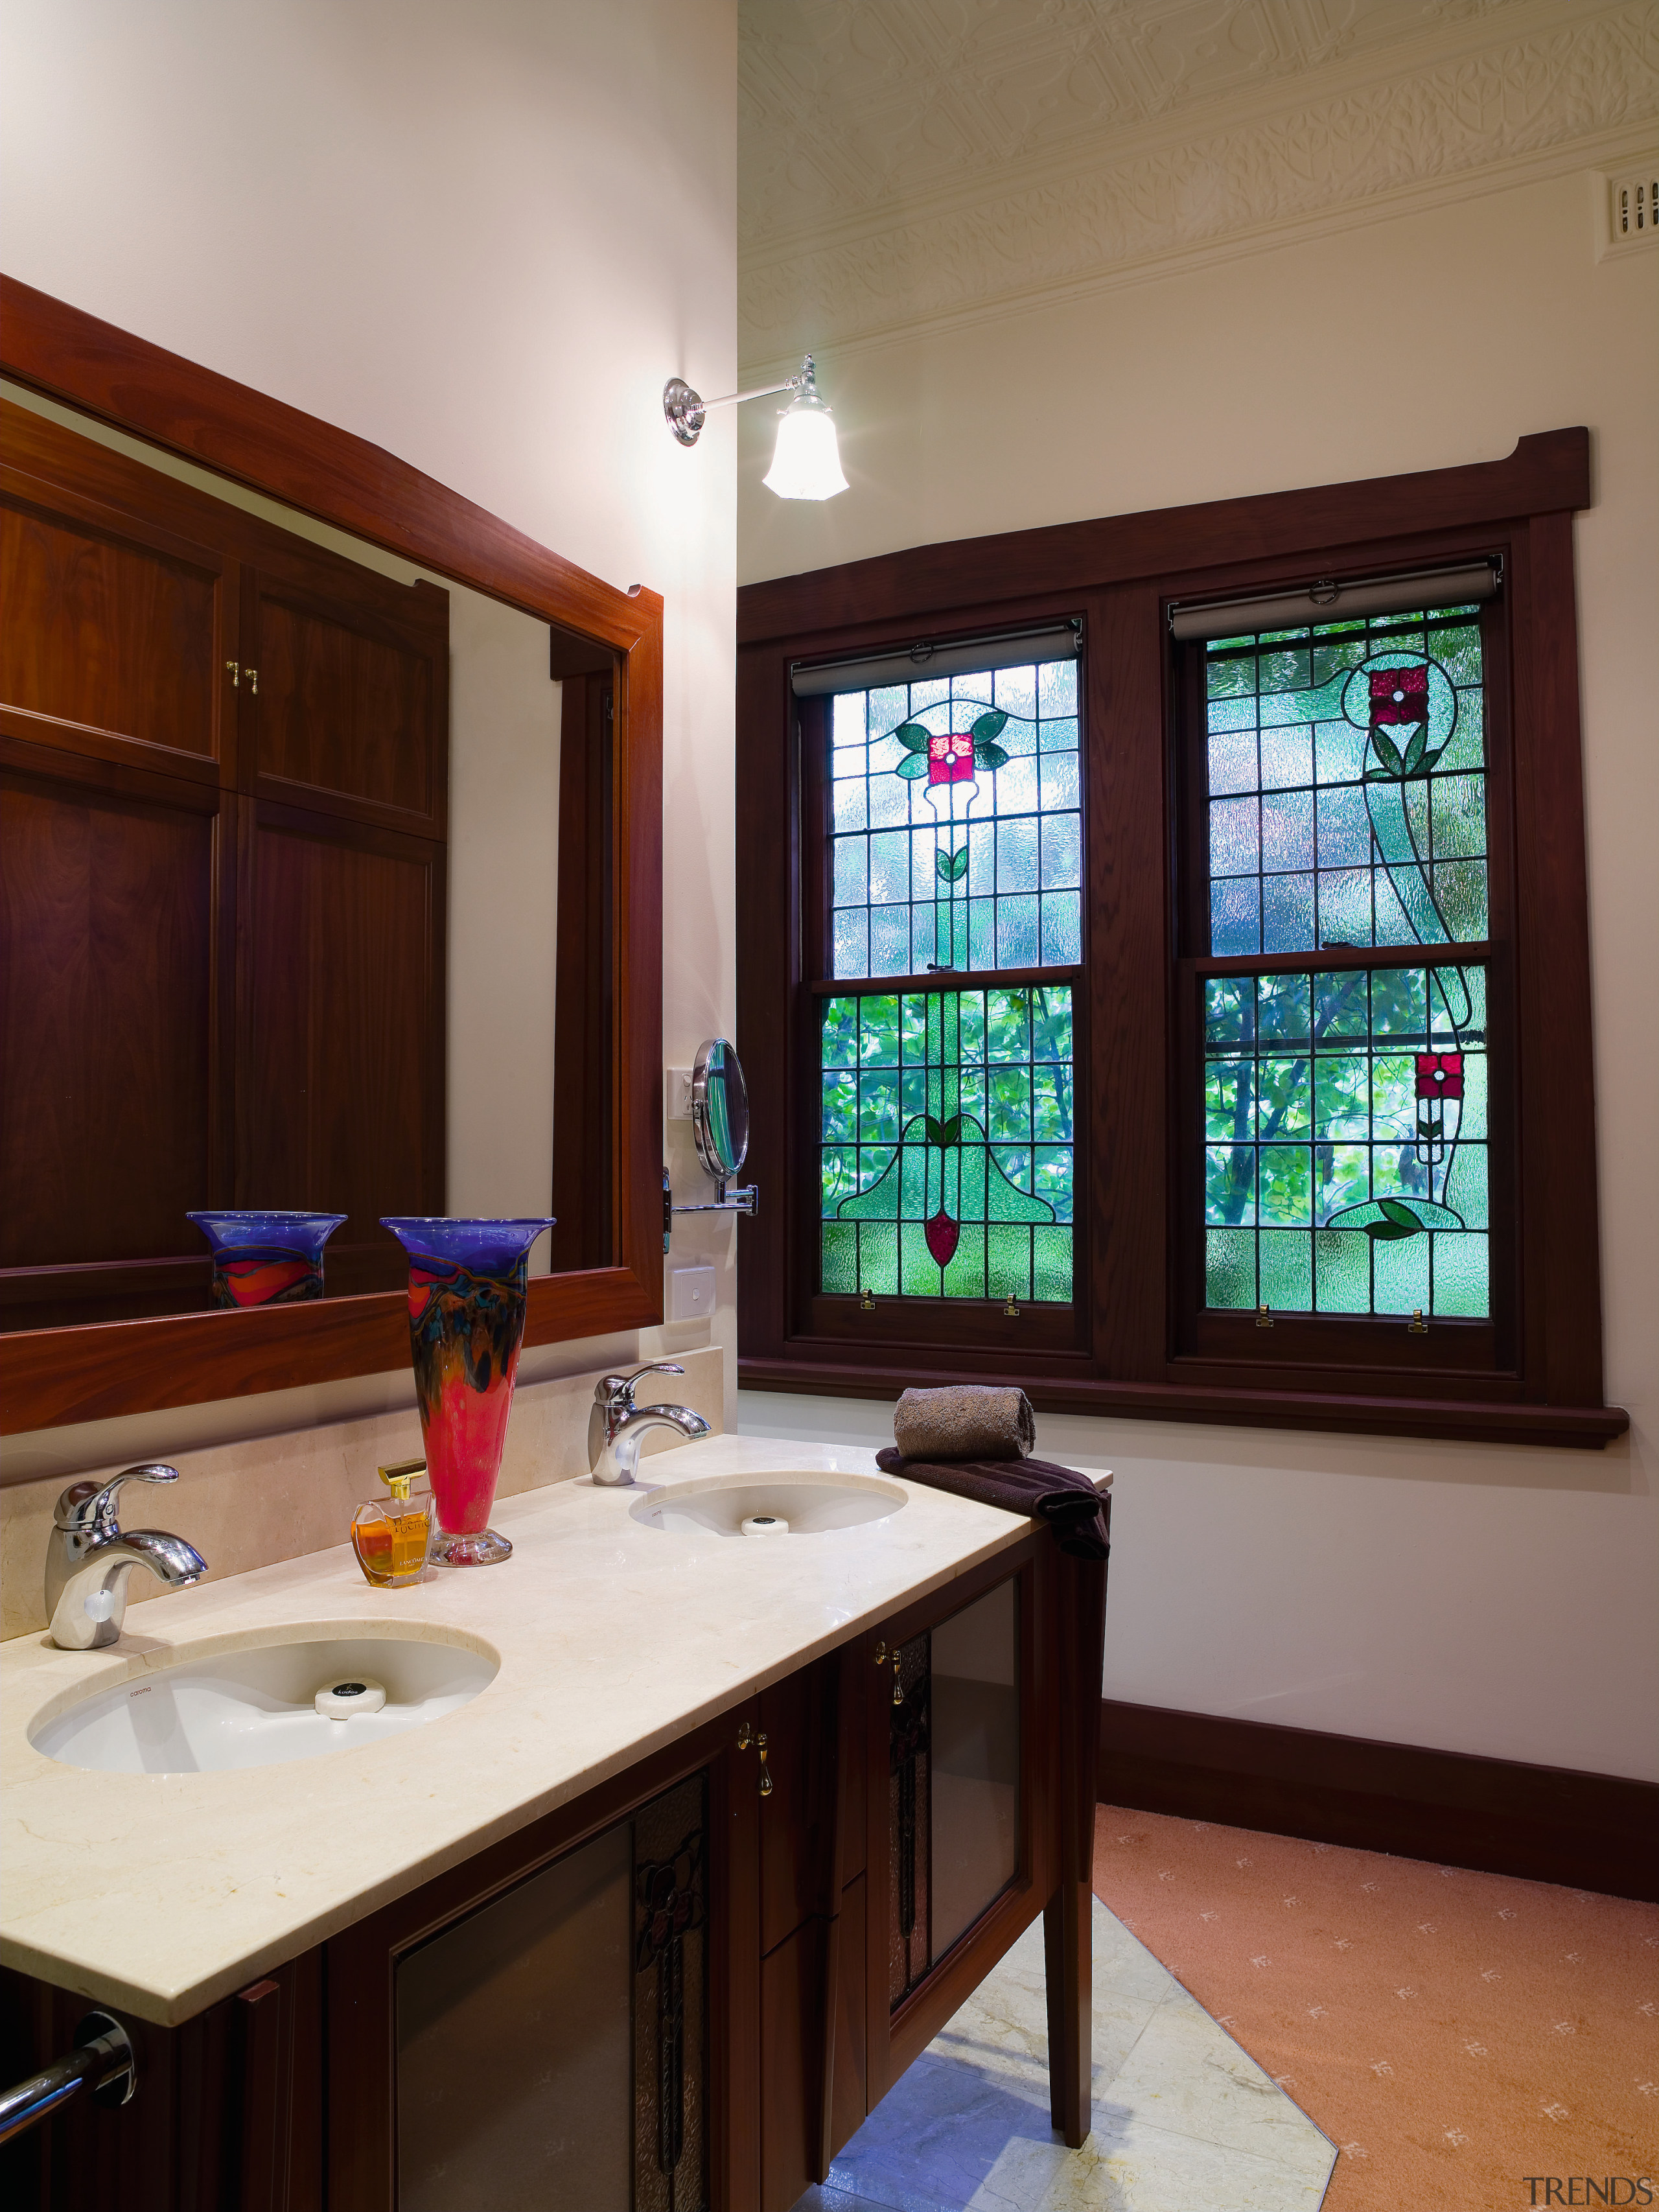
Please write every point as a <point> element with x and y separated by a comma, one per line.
<point>690,1293</point>
<point>677,1090</point>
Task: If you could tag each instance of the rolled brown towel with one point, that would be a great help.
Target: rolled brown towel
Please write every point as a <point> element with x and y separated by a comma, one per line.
<point>964,1420</point>
<point>1077,1512</point>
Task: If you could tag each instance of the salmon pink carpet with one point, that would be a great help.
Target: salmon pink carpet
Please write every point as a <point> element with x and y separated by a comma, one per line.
<point>1464,2039</point>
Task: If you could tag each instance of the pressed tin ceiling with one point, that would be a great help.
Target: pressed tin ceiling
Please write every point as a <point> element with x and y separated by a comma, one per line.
<point>905,160</point>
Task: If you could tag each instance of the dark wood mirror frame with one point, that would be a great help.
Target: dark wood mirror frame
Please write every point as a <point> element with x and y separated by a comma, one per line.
<point>49,1377</point>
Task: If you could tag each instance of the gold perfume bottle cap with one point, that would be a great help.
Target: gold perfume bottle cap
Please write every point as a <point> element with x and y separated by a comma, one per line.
<point>397,1479</point>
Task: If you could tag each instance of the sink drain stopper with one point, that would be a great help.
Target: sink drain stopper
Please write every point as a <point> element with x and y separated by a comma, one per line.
<point>338,1701</point>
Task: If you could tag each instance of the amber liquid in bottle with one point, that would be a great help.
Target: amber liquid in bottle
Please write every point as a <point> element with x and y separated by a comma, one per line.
<point>392,1536</point>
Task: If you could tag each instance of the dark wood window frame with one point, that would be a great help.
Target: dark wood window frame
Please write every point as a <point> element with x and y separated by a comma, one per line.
<point>1534,1374</point>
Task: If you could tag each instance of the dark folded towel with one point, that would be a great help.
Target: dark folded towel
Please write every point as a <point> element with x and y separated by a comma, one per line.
<point>1073,1509</point>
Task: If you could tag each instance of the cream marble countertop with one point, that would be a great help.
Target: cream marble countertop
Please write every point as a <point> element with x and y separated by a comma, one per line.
<point>163,1893</point>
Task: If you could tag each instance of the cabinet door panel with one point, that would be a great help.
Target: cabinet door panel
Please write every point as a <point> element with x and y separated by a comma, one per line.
<point>352,705</point>
<point>106,965</point>
<point>112,643</point>
<point>849,2081</point>
<point>341,1091</point>
<point>798,1716</point>
<point>514,2039</point>
<point>792,2063</point>
<point>975,1766</point>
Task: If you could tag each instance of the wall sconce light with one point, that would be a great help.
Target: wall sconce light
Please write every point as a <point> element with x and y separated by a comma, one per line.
<point>806,462</point>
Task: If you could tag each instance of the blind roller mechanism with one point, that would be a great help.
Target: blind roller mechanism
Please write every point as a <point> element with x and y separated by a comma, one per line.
<point>1325,601</point>
<point>911,663</point>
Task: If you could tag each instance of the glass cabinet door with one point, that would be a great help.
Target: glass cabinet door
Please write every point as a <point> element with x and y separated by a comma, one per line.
<point>552,2047</point>
<point>953,1782</point>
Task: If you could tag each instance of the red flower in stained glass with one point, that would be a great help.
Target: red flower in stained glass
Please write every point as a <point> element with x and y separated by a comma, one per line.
<point>1400,694</point>
<point>1440,1075</point>
<point>942,1234</point>
<point>950,758</point>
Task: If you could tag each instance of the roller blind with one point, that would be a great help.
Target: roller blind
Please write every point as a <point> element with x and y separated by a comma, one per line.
<point>1323,601</point>
<point>1008,649</point>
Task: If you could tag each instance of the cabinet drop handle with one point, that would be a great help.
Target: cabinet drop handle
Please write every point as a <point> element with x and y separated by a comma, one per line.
<point>234,669</point>
<point>745,1739</point>
<point>253,676</point>
<point>898,1692</point>
<point>766,1772</point>
<point>881,1655</point>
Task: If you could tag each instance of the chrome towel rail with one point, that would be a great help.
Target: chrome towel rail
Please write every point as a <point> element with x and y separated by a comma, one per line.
<point>103,2060</point>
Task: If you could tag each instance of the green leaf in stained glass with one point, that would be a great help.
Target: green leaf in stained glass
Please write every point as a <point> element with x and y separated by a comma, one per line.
<point>987,755</point>
<point>989,726</point>
<point>911,767</point>
<point>913,735</point>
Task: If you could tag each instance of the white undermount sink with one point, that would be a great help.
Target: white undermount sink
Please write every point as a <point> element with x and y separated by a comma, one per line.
<point>804,1503</point>
<point>256,1707</point>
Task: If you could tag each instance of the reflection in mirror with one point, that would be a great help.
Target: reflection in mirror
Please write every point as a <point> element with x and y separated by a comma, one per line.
<point>307,896</point>
<point>719,1109</point>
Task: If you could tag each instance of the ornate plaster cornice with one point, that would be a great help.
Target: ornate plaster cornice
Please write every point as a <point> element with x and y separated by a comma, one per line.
<point>1582,83</point>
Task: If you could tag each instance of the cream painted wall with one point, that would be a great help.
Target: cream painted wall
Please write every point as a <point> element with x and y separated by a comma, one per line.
<point>1487,1599</point>
<point>483,238</point>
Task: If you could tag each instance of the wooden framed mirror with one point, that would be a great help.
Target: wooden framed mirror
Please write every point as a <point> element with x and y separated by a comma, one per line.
<point>368,577</point>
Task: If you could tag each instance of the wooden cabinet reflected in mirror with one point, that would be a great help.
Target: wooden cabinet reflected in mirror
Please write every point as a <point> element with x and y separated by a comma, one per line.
<point>296,839</point>
<point>331,808</point>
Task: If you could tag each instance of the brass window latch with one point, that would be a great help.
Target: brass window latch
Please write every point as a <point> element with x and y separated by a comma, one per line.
<point>1417,1325</point>
<point>1264,1317</point>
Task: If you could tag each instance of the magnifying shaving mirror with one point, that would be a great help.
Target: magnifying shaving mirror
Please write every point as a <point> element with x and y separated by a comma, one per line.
<point>720,1127</point>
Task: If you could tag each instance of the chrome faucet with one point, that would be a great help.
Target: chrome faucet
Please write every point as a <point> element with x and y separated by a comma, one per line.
<point>90,1558</point>
<point>625,1424</point>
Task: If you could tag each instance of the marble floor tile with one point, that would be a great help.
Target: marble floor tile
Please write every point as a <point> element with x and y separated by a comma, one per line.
<point>1184,2119</point>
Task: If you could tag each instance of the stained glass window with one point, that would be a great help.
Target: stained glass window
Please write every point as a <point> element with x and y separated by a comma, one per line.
<point>947,1144</point>
<point>1346,1130</point>
<point>1347,802</point>
<point>956,823</point>
<point>1346,1110</point>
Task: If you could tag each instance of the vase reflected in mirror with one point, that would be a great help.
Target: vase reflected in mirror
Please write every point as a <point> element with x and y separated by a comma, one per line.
<point>268,1259</point>
<point>467,1286</point>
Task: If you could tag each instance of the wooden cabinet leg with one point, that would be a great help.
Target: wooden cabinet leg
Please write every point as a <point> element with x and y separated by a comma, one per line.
<point>1067,1941</point>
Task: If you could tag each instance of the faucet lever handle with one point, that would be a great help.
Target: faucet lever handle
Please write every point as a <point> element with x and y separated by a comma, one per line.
<point>92,1505</point>
<point>616,1391</point>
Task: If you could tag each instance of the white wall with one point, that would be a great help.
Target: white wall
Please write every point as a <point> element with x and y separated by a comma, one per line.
<point>482,237</point>
<point>1481,1599</point>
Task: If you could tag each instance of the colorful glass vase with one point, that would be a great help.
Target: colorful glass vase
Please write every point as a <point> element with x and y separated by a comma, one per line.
<point>266,1259</point>
<point>467,1283</point>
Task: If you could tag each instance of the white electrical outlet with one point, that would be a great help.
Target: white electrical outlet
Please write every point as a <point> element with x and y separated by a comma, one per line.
<point>690,1293</point>
<point>677,1090</point>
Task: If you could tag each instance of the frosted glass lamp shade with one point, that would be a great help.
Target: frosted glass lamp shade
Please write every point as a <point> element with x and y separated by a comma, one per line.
<point>807,462</point>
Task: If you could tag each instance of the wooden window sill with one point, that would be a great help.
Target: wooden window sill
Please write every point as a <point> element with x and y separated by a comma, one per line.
<point>1460,1420</point>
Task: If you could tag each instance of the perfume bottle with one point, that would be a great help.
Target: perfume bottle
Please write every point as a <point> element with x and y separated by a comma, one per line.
<point>392,1536</point>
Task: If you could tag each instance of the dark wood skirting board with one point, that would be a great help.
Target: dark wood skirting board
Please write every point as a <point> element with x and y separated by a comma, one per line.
<point>1454,1420</point>
<point>1597,1831</point>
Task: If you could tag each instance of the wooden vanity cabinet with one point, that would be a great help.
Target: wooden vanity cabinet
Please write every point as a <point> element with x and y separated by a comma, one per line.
<point>686,1989</point>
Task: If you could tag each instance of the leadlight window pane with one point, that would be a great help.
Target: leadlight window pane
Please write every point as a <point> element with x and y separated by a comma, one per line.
<point>1347,802</point>
<point>946,1144</point>
<point>1346,1141</point>
<point>955,828</point>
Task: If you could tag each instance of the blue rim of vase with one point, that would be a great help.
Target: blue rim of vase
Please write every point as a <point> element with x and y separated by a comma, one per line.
<point>231,1230</point>
<point>481,1244</point>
